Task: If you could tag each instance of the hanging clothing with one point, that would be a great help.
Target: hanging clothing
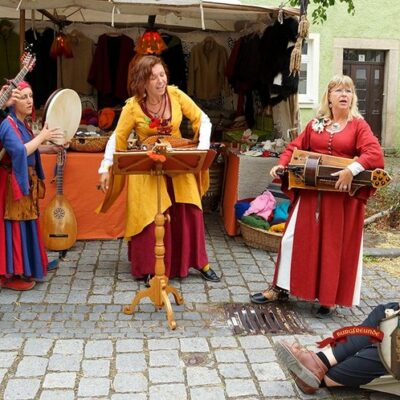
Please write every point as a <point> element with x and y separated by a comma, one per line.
<point>75,70</point>
<point>21,247</point>
<point>109,69</point>
<point>276,46</point>
<point>9,50</point>
<point>323,238</point>
<point>43,77</point>
<point>174,59</point>
<point>207,64</point>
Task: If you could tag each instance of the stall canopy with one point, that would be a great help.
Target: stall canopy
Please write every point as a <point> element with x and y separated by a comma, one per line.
<point>219,15</point>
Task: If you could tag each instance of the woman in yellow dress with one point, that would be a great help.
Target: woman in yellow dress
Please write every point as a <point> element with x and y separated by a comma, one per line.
<point>157,108</point>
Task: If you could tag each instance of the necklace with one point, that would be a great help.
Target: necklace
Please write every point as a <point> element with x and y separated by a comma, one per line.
<point>336,126</point>
<point>157,114</point>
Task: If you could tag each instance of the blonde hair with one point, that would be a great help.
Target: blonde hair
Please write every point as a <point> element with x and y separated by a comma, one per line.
<point>325,111</point>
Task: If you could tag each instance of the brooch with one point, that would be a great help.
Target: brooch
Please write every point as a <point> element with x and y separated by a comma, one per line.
<point>319,124</point>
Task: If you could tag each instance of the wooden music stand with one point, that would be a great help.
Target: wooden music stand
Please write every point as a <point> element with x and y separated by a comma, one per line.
<point>159,162</point>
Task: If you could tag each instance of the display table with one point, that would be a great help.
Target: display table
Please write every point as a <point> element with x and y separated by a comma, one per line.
<point>79,188</point>
<point>245,177</point>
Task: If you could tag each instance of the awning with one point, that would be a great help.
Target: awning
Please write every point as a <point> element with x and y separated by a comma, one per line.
<point>220,15</point>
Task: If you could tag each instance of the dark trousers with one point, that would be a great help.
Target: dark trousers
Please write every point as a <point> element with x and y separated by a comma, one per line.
<point>358,359</point>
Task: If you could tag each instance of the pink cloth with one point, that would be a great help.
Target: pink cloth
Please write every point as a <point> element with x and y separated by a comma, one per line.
<point>262,205</point>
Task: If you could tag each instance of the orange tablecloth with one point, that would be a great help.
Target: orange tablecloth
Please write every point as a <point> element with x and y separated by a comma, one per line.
<point>245,177</point>
<point>79,188</point>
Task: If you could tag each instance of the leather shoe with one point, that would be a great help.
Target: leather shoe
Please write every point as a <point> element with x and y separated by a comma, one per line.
<point>324,312</point>
<point>305,366</point>
<point>16,283</point>
<point>210,275</point>
<point>274,294</point>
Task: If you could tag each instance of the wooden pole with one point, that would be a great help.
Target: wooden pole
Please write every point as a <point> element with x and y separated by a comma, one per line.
<point>21,32</point>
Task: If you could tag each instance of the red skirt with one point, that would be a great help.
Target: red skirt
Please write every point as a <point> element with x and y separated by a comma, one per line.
<point>184,241</point>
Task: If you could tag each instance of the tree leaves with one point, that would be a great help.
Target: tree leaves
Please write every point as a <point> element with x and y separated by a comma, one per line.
<point>319,14</point>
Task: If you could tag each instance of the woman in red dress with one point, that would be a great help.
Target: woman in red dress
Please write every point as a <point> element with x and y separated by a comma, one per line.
<point>321,252</point>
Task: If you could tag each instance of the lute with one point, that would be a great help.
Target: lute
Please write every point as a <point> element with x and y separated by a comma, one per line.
<point>59,225</point>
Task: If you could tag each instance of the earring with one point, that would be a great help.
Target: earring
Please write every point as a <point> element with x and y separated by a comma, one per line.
<point>330,105</point>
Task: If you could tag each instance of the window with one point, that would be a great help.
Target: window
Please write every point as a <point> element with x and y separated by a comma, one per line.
<point>309,72</point>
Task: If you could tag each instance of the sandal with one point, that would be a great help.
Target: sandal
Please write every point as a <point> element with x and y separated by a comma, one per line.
<point>270,295</point>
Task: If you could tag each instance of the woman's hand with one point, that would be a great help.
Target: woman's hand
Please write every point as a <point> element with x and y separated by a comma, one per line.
<point>54,135</point>
<point>15,95</point>
<point>274,170</point>
<point>344,181</point>
<point>104,181</point>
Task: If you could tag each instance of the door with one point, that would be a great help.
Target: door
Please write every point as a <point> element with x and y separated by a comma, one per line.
<point>366,68</point>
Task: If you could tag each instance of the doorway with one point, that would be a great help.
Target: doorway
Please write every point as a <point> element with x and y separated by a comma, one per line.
<point>366,68</point>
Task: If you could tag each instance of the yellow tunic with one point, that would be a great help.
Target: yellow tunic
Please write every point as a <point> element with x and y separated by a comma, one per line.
<point>142,189</point>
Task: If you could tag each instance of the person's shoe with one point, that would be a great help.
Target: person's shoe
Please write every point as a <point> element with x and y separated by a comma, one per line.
<point>210,275</point>
<point>305,366</point>
<point>52,265</point>
<point>16,283</point>
<point>147,280</point>
<point>270,295</point>
<point>324,312</point>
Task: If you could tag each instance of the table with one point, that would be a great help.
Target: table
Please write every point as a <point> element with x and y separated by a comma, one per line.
<point>245,177</point>
<point>79,188</point>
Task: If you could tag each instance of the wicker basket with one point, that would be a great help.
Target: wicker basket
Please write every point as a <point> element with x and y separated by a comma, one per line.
<point>260,238</point>
<point>89,144</point>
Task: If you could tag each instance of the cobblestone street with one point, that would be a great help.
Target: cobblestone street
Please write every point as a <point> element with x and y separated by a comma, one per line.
<point>68,338</point>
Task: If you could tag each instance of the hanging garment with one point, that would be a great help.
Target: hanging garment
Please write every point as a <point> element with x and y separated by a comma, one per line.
<point>109,69</point>
<point>9,50</point>
<point>43,78</point>
<point>207,64</point>
<point>74,71</point>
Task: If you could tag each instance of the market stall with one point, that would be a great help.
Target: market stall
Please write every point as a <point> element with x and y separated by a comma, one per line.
<point>236,32</point>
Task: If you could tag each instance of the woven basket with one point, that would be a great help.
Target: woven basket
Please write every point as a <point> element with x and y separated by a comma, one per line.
<point>94,144</point>
<point>260,238</point>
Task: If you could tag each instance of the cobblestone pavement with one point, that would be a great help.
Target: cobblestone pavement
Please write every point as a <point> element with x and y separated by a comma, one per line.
<point>68,339</point>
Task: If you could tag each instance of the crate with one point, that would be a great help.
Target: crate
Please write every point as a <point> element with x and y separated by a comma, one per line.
<point>260,238</point>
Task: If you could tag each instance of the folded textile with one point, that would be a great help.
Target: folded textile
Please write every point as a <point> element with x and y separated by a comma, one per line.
<point>240,208</point>
<point>262,205</point>
<point>281,212</point>
<point>277,228</point>
<point>255,221</point>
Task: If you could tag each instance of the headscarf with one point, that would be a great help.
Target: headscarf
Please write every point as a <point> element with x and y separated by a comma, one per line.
<point>23,85</point>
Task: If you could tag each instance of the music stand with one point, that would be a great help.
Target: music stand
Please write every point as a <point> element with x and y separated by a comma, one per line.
<point>158,162</point>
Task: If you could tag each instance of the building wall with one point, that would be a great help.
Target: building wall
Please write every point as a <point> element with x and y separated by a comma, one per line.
<point>374,25</point>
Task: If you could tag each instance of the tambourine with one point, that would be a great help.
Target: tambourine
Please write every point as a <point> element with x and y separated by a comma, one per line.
<point>63,109</point>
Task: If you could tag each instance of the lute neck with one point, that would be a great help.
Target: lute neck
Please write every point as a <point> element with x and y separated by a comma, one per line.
<point>20,76</point>
<point>59,179</point>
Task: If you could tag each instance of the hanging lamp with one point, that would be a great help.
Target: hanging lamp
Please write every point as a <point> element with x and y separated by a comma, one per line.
<point>151,41</point>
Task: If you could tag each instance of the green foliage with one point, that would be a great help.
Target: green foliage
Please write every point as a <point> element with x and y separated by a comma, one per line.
<point>321,6</point>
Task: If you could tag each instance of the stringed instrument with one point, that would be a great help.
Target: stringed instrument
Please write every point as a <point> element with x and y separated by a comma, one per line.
<point>59,227</point>
<point>28,61</point>
<point>313,171</point>
<point>172,141</point>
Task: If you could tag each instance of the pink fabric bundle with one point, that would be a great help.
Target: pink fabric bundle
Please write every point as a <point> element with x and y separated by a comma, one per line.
<point>262,205</point>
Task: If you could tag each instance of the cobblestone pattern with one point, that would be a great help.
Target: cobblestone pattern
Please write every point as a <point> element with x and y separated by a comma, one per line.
<point>68,339</point>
